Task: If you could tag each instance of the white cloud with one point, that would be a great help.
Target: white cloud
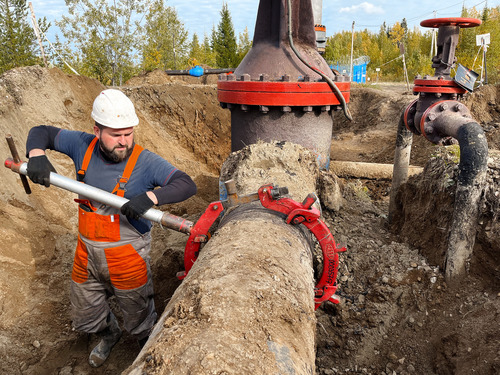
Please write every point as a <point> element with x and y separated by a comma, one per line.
<point>363,7</point>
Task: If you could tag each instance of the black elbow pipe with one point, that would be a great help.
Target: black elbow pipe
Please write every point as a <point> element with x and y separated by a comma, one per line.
<point>441,119</point>
<point>473,167</point>
<point>473,152</point>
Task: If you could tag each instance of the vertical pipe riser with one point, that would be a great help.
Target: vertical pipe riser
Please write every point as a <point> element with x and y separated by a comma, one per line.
<point>312,129</point>
<point>272,62</point>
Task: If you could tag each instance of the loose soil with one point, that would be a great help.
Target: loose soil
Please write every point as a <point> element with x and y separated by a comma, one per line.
<point>397,314</point>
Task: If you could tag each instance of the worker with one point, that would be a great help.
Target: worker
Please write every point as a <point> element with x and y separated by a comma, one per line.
<point>113,245</point>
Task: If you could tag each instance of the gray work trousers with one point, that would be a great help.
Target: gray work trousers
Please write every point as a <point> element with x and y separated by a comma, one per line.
<point>122,269</point>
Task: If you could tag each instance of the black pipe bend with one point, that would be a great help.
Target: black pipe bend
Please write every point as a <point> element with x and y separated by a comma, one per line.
<point>473,152</point>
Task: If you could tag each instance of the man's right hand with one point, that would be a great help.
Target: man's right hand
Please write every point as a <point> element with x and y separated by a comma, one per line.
<point>39,168</point>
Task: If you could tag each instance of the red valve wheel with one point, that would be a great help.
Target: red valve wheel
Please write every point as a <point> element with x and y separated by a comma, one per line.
<point>452,21</point>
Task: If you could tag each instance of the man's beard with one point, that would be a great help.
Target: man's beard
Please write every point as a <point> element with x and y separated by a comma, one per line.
<point>116,156</point>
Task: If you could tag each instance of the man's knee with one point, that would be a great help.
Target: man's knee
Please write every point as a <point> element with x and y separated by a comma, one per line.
<point>90,320</point>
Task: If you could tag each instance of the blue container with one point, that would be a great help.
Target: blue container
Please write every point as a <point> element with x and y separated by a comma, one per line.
<point>197,71</point>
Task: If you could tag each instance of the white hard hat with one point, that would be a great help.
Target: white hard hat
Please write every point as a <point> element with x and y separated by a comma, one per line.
<point>112,108</point>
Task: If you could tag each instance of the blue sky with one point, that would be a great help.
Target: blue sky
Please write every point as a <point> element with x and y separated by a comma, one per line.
<point>199,16</point>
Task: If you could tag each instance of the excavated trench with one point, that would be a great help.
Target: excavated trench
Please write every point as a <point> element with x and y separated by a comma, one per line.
<point>397,313</point>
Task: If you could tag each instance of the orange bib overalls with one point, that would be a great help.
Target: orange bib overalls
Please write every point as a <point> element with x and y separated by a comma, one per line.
<point>111,258</point>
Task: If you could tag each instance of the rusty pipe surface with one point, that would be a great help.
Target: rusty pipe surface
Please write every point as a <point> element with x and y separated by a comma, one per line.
<point>246,306</point>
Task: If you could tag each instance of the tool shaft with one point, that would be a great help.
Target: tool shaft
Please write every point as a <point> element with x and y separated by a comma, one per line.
<point>164,218</point>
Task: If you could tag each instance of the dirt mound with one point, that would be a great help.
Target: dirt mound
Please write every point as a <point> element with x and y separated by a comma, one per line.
<point>159,77</point>
<point>427,202</point>
<point>397,312</point>
<point>484,104</point>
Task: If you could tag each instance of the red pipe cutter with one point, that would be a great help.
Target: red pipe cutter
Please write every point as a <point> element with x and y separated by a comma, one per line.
<point>296,213</point>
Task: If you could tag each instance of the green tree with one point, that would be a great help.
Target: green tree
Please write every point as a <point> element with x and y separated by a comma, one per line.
<point>225,45</point>
<point>195,51</point>
<point>103,37</point>
<point>244,46</point>
<point>18,42</point>
<point>397,33</point>
<point>166,45</point>
<point>404,25</point>
<point>484,16</point>
<point>208,52</point>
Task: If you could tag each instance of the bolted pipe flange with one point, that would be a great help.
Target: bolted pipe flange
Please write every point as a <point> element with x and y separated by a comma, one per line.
<point>441,119</point>
<point>409,117</point>
<point>436,86</point>
<point>280,93</point>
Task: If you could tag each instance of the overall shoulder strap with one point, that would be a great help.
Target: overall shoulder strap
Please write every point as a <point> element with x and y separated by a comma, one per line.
<point>120,186</point>
<point>86,160</point>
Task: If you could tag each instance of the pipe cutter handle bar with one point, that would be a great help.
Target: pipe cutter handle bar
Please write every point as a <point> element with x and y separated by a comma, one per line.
<point>164,218</point>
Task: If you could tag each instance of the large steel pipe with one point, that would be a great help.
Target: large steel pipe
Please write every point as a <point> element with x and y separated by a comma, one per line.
<point>225,319</point>
<point>246,306</point>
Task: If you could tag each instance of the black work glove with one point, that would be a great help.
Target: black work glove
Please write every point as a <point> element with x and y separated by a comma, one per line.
<point>39,169</point>
<point>136,206</point>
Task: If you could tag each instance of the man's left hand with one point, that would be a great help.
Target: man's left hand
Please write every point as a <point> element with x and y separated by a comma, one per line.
<point>137,206</point>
